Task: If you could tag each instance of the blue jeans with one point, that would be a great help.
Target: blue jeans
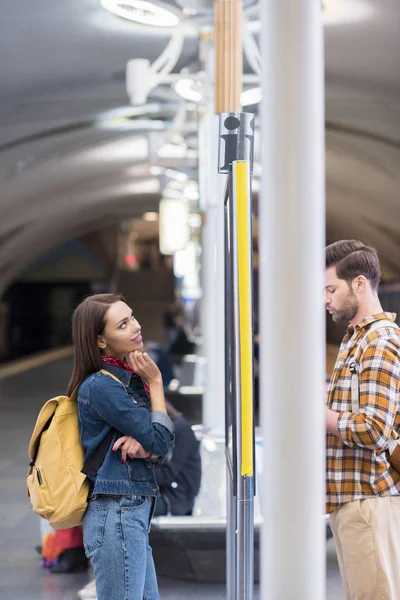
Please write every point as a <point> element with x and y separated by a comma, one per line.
<point>116,540</point>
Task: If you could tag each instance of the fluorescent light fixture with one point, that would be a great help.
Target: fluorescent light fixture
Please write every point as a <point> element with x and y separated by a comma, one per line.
<point>170,192</point>
<point>189,89</point>
<point>192,91</point>
<point>185,262</point>
<point>128,149</point>
<point>191,191</point>
<point>192,389</point>
<point>174,225</point>
<point>169,173</point>
<point>178,175</point>
<point>186,266</point>
<point>251,96</point>
<point>172,151</point>
<point>151,217</point>
<point>156,170</point>
<point>195,220</point>
<point>145,13</point>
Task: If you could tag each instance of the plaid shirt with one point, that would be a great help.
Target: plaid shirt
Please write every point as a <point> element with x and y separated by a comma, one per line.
<point>357,463</point>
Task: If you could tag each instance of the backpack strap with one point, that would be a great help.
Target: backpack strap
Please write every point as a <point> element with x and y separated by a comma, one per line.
<point>94,462</point>
<point>355,389</point>
<point>112,376</point>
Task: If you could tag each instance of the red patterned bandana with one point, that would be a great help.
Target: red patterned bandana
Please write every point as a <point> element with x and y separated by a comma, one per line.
<point>117,362</point>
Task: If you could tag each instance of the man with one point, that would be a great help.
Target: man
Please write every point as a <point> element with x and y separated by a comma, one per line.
<point>363,489</point>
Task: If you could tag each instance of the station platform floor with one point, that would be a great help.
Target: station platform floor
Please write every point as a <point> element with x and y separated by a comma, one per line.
<point>21,577</point>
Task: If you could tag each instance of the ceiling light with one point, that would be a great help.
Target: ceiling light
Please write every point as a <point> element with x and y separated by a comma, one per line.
<point>169,173</point>
<point>251,96</point>
<point>151,217</point>
<point>178,175</point>
<point>174,226</point>
<point>189,89</point>
<point>192,90</point>
<point>145,13</point>
<point>156,170</point>
<point>172,151</point>
<point>169,192</point>
<point>191,191</point>
<point>195,220</point>
<point>131,148</point>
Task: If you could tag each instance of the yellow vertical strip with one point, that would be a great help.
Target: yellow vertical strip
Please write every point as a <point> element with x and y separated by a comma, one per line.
<point>244,245</point>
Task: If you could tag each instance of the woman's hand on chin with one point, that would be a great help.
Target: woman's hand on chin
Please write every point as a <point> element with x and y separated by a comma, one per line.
<point>144,366</point>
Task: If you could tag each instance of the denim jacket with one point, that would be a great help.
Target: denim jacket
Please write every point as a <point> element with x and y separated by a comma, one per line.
<point>106,404</point>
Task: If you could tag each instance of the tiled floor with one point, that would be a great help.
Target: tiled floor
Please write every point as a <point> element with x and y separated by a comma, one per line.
<point>21,577</point>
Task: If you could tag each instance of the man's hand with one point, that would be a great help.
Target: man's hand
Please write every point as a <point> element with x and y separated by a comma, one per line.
<point>331,421</point>
<point>131,448</point>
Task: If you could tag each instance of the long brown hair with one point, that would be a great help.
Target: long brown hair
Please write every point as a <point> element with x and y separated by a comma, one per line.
<point>88,322</point>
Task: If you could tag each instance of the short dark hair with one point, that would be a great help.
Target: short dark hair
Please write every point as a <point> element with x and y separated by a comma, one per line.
<point>353,258</point>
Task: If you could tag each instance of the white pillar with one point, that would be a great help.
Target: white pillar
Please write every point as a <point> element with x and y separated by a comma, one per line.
<point>212,186</point>
<point>291,305</point>
<point>213,308</point>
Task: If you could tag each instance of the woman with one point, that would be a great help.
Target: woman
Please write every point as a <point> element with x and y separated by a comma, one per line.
<point>120,390</point>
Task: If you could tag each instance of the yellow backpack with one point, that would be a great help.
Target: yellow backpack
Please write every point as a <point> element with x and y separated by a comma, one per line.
<point>57,483</point>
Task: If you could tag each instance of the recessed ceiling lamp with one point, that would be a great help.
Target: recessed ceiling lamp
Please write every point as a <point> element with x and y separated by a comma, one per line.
<point>191,90</point>
<point>150,217</point>
<point>145,13</point>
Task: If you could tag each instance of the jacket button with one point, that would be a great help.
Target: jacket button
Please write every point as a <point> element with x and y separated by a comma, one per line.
<point>154,489</point>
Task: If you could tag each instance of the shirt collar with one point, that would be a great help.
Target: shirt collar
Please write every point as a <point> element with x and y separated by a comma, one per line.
<point>371,319</point>
<point>122,374</point>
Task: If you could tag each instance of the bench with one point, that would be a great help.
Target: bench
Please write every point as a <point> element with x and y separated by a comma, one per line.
<point>194,548</point>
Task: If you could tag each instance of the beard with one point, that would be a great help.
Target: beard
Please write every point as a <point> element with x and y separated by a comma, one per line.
<point>348,310</point>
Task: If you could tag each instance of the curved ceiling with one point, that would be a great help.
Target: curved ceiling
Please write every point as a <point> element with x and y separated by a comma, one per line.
<point>67,166</point>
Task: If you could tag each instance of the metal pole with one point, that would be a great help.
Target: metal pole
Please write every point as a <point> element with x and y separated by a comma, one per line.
<point>231,546</point>
<point>245,543</point>
<point>236,142</point>
<point>243,341</point>
<point>230,393</point>
<point>291,309</point>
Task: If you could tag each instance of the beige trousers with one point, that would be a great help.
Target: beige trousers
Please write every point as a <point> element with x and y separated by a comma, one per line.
<point>367,536</point>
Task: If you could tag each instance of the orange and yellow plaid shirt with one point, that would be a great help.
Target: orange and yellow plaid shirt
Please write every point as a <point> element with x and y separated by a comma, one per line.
<point>357,464</point>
